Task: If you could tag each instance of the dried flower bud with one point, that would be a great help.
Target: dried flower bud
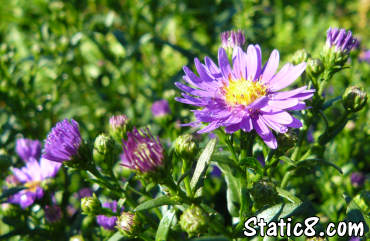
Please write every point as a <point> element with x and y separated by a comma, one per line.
<point>185,146</point>
<point>193,221</point>
<point>354,98</point>
<point>300,56</point>
<point>128,224</point>
<point>90,205</point>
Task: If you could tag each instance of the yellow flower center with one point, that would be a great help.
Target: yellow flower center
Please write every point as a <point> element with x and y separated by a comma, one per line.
<point>243,92</point>
<point>33,185</point>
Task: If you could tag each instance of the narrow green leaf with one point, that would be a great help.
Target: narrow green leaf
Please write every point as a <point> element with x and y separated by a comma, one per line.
<point>281,210</point>
<point>233,192</point>
<point>117,236</point>
<point>202,163</point>
<point>10,192</point>
<point>164,225</point>
<point>288,160</point>
<point>287,195</point>
<point>157,202</point>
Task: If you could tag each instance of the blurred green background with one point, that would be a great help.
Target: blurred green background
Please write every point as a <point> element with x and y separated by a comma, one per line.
<point>87,60</point>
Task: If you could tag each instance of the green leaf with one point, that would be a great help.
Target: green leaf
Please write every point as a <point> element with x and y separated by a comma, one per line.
<point>157,202</point>
<point>288,160</point>
<point>312,162</point>
<point>202,163</point>
<point>117,236</point>
<point>210,238</point>
<point>355,213</point>
<point>9,192</point>
<point>233,192</point>
<point>278,211</point>
<point>287,195</point>
<point>164,225</point>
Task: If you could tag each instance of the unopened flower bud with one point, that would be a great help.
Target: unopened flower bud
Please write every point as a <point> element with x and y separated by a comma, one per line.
<point>104,150</point>
<point>193,221</point>
<point>354,98</point>
<point>286,141</point>
<point>185,146</point>
<point>90,205</point>
<point>264,193</point>
<point>118,125</point>
<point>314,67</point>
<point>128,224</point>
<point>300,56</point>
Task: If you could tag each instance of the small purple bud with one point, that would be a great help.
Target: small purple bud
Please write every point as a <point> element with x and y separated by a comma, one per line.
<point>357,179</point>
<point>160,108</point>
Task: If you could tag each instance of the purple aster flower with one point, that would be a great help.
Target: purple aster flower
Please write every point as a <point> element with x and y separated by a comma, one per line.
<point>160,108</point>
<point>27,148</point>
<point>341,39</point>
<point>63,141</point>
<point>231,39</point>
<point>105,221</point>
<point>357,179</point>
<point>53,213</point>
<point>365,56</point>
<point>31,176</point>
<point>245,96</point>
<point>142,151</point>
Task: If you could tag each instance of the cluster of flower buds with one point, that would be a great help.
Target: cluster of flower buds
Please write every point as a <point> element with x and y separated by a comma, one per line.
<point>339,43</point>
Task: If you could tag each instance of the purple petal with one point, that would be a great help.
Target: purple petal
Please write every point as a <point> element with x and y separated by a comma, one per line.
<point>288,78</point>
<point>270,67</point>
<point>252,65</point>
<point>224,64</point>
<point>239,63</point>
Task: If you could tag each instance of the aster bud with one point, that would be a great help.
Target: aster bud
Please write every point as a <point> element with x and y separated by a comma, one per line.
<point>193,220</point>
<point>128,224</point>
<point>90,205</point>
<point>339,43</point>
<point>314,67</point>
<point>185,146</point>
<point>300,56</point>
<point>286,141</point>
<point>53,213</point>
<point>118,125</point>
<point>104,150</point>
<point>354,98</point>
<point>264,193</point>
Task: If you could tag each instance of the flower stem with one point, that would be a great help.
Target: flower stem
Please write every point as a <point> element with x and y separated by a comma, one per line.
<point>186,179</point>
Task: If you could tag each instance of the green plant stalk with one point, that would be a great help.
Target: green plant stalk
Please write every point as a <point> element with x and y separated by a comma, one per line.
<point>184,168</point>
